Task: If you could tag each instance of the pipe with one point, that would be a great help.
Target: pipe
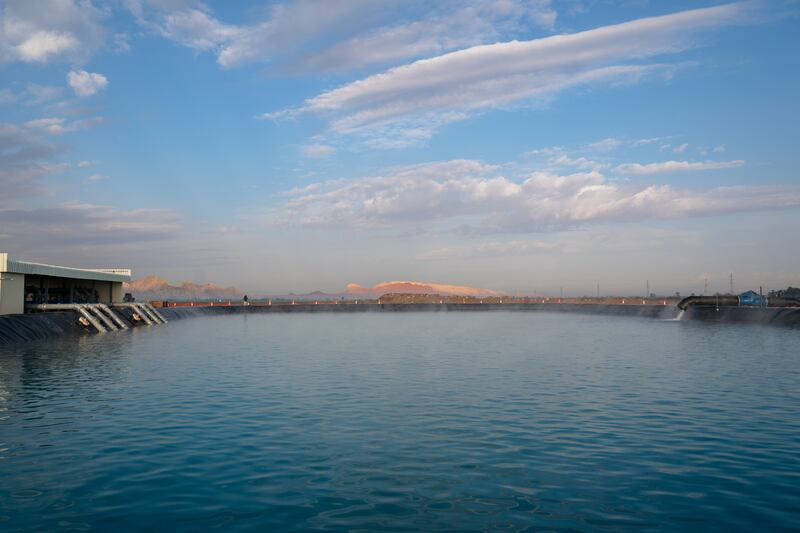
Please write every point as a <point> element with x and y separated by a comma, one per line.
<point>157,313</point>
<point>117,320</point>
<point>107,321</point>
<point>147,311</point>
<point>780,301</point>
<point>143,314</point>
<point>92,320</point>
<point>732,301</point>
<point>138,311</point>
<point>708,301</point>
<point>78,308</point>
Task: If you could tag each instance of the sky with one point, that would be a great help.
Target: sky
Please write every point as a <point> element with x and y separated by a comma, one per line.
<point>526,146</point>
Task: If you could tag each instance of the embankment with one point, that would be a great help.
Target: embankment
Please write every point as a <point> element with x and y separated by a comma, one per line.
<point>648,311</point>
<point>766,316</point>
<point>20,328</point>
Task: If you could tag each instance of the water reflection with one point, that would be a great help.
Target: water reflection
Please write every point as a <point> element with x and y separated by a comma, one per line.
<point>408,422</point>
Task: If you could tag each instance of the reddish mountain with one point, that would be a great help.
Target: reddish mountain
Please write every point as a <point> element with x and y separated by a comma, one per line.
<point>155,288</point>
<point>415,287</point>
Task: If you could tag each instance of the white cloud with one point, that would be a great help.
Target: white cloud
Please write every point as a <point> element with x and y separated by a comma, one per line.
<point>42,44</point>
<point>33,94</point>
<point>196,28</point>
<point>86,164</point>
<point>7,96</point>
<point>122,43</point>
<point>51,125</point>
<point>25,160</point>
<point>475,197</point>
<point>38,94</point>
<point>680,149</point>
<point>491,76</point>
<point>37,32</point>
<point>86,83</point>
<point>288,26</point>
<point>320,35</point>
<point>492,249</point>
<point>581,163</point>
<point>86,224</point>
<point>317,151</point>
<point>648,141</point>
<point>60,126</point>
<point>606,145</point>
<point>675,166</point>
<point>466,25</point>
<point>95,178</point>
<point>719,149</point>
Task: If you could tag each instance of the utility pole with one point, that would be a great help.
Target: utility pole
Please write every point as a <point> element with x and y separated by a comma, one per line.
<point>731,282</point>
<point>598,290</point>
<point>705,288</point>
<point>647,292</point>
<point>562,291</point>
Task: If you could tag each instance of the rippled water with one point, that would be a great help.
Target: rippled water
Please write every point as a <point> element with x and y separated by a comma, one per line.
<point>429,421</point>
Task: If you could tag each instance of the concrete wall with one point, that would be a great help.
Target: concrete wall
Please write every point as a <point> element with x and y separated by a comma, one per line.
<point>109,291</point>
<point>103,289</point>
<point>12,293</point>
<point>116,291</point>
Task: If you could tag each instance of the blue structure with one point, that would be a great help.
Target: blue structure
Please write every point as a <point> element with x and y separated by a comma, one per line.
<point>751,299</point>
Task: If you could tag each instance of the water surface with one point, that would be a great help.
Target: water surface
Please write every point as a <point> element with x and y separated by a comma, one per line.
<point>399,422</point>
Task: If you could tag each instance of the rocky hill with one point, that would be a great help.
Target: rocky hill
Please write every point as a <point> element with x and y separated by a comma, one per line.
<point>156,288</point>
<point>415,287</point>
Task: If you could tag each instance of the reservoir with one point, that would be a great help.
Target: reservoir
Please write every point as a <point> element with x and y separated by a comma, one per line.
<point>411,421</point>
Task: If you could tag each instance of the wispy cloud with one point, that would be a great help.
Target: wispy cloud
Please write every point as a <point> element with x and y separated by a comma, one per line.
<point>77,223</point>
<point>25,159</point>
<point>60,125</point>
<point>649,141</point>
<point>664,167</point>
<point>681,148</point>
<point>449,29</point>
<point>484,77</point>
<point>320,35</point>
<point>581,163</point>
<point>491,249</point>
<point>606,145</point>
<point>317,151</point>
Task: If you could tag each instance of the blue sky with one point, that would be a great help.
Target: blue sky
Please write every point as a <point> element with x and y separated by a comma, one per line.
<point>518,145</point>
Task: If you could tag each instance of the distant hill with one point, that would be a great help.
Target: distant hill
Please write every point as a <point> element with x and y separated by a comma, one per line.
<point>156,288</point>
<point>415,287</point>
<point>354,291</point>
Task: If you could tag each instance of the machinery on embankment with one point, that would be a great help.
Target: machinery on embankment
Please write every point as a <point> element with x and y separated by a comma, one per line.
<point>749,299</point>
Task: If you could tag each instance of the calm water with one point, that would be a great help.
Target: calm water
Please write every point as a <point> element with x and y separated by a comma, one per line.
<point>399,422</point>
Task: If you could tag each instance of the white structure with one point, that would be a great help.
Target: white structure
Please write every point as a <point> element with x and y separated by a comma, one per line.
<point>22,282</point>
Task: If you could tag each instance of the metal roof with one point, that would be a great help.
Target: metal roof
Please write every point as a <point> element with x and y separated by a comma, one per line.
<point>40,269</point>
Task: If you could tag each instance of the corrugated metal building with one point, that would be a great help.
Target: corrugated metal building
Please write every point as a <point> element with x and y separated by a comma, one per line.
<point>23,282</point>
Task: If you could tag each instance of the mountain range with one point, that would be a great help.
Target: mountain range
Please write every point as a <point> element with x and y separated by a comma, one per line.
<point>156,288</point>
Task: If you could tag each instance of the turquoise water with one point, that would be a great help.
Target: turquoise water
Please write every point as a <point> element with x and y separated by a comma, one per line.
<point>402,422</point>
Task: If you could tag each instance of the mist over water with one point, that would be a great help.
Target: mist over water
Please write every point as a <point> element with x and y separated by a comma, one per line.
<point>407,421</point>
